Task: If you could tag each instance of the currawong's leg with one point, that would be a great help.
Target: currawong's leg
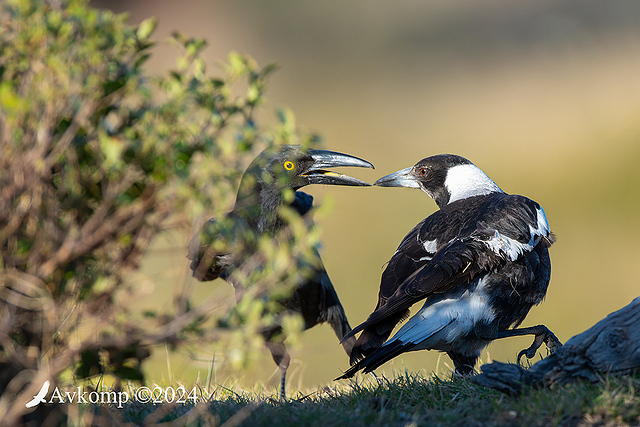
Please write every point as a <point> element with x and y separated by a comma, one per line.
<point>281,357</point>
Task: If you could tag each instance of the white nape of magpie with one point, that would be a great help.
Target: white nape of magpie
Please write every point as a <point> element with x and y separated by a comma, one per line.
<point>480,263</point>
<point>260,195</point>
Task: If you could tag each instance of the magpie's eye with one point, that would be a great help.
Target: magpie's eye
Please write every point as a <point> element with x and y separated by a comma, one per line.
<point>288,165</point>
<point>423,172</point>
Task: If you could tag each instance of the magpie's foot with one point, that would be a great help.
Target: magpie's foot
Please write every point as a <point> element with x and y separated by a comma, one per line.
<point>533,349</point>
<point>543,336</point>
<point>552,342</point>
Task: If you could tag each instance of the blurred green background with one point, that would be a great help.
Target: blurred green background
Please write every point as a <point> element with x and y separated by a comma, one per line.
<point>543,96</point>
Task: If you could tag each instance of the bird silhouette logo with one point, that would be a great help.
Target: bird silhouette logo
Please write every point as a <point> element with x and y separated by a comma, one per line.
<point>39,398</point>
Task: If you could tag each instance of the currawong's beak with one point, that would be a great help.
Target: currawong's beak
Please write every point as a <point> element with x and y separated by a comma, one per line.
<point>402,178</point>
<point>332,159</point>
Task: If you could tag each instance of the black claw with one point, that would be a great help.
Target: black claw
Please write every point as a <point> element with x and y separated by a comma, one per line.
<point>552,342</point>
<point>531,351</point>
<point>522,353</point>
<point>548,338</point>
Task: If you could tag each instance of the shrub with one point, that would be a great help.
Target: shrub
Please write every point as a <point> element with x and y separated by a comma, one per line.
<point>96,158</point>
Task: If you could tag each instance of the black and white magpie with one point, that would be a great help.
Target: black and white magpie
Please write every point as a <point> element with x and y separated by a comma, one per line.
<point>480,263</point>
<point>262,192</point>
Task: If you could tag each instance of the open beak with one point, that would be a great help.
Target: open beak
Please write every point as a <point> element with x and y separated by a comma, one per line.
<point>331,159</point>
<point>402,178</point>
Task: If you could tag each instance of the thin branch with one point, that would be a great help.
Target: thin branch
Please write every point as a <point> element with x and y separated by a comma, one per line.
<point>84,241</point>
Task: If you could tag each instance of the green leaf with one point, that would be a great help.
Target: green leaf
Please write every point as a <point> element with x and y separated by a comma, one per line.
<point>9,99</point>
<point>237,63</point>
<point>146,28</point>
<point>112,148</point>
<point>269,69</point>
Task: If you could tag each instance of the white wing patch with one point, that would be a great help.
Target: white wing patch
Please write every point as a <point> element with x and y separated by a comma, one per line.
<point>431,246</point>
<point>503,245</point>
<point>511,248</point>
<point>543,225</point>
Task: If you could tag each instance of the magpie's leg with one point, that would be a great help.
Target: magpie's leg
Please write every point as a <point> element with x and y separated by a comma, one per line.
<point>281,357</point>
<point>463,364</point>
<point>542,335</point>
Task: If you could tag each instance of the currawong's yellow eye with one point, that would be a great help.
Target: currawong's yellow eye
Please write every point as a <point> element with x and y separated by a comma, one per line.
<point>288,165</point>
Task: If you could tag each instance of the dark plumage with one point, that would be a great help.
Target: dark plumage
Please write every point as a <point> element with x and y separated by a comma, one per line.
<point>261,194</point>
<point>480,263</point>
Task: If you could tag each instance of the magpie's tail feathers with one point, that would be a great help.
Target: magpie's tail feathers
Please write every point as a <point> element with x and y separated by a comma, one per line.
<point>415,332</point>
<point>372,338</point>
<point>368,342</point>
<point>383,355</point>
<point>349,373</point>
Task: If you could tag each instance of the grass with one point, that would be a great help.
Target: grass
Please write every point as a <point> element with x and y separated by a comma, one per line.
<point>407,399</point>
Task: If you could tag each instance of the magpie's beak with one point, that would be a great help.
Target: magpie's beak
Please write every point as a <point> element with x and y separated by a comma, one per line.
<point>316,174</point>
<point>402,178</point>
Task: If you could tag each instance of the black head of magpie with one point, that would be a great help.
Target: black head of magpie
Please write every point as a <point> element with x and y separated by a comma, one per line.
<point>445,177</point>
<point>479,263</point>
<point>272,180</point>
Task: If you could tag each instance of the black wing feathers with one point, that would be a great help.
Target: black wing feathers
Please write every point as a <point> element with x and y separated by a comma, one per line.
<point>457,263</point>
<point>512,215</point>
<point>458,229</point>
